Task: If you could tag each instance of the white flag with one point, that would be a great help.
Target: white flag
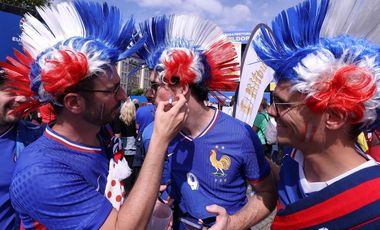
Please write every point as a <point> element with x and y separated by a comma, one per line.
<point>255,77</point>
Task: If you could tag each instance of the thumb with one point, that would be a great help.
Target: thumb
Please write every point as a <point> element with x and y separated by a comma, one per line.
<point>161,105</point>
<point>222,218</point>
<point>215,209</point>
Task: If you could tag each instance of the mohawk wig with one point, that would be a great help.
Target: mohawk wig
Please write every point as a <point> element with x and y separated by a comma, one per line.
<point>73,41</point>
<point>329,49</point>
<point>191,49</point>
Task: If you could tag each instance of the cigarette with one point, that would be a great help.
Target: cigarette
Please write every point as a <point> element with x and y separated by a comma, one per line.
<point>170,101</point>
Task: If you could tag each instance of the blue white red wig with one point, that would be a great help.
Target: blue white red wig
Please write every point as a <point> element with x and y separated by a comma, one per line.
<point>73,41</point>
<point>192,49</point>
<point>329,49</point>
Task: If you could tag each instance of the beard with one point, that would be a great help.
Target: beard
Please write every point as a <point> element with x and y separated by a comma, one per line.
<point>7,116</point>
<point>8,119</point>
<point>101,115</point>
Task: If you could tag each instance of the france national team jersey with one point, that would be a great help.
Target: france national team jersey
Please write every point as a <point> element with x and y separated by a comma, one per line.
<point>7,159</point>
<point>60,184</point>
<point>348,201</point>
<point>213,167</point>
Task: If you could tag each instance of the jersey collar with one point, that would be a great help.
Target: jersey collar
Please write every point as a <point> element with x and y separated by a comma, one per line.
<point>208,127</point>
<point>70,144</point>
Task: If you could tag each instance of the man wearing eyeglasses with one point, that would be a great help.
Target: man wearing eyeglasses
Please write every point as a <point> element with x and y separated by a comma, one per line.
<point>327,93</point>
<point>15,134</point>
<point>70,178</point>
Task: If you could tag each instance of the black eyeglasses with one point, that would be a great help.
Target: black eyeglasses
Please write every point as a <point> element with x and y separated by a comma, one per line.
<point>154,85</point>
<point>113,91</point>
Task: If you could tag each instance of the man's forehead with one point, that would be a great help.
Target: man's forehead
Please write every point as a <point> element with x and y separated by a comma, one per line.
<point>284,90</point>
<point>104,79</point>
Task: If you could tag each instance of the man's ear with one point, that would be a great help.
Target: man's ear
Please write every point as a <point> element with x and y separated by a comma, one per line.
<point>74,103</point>
<point>336,119</point>
<point>184,89</point>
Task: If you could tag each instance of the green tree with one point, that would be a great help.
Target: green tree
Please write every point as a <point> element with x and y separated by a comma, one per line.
<point>137,92</point>
<point>28,5</point>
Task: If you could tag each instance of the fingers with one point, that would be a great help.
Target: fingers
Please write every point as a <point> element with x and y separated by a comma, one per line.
<point>177,108</point>
<point>174,106</point>
<point>163,187</point>
<point>169,118</point>
<point>222,218</point>
<point>216,209</point>
<point>161,105</point>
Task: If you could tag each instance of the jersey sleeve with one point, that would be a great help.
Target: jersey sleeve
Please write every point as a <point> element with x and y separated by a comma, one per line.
<point>256,166</point>
<point>58,198</point>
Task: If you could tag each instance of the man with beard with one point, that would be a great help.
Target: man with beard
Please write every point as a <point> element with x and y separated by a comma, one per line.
<point>66,180</point>
<point>15,134</point>
<point>325,55</point>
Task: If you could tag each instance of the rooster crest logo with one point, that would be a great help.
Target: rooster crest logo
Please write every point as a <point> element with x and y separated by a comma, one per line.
<point>220,165</point>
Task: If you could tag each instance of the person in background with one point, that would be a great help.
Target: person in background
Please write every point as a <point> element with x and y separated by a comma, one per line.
<point>144,116</point>
<point>15,134</point>
<point>70,178</point>
<point>325,55</point>
<point>124,126</point>
<point>260,124</point>
<point>136,103</point>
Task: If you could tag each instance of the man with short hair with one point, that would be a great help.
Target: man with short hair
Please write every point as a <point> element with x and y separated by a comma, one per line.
<point>326,65</point>
<point>70,178</point>
<point>211,159</point>
<point>15,134</point>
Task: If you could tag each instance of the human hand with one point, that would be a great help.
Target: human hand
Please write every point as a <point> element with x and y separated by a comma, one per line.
<point>163,187</point>
<point>222,217</point>
<point>167,123</point>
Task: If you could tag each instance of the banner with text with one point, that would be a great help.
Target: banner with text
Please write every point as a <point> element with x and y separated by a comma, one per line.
<point>255,77</point>
<point>239,37</point>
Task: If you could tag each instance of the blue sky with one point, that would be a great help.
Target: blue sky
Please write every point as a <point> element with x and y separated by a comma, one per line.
<point>230,15</point>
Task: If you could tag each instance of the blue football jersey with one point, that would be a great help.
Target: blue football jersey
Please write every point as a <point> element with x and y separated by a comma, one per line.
<point>60,184</point>
<point>7,158</point>
<point>214,167</point>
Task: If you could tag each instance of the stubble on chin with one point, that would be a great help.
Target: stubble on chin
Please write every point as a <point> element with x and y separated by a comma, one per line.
<point>8,120</point>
